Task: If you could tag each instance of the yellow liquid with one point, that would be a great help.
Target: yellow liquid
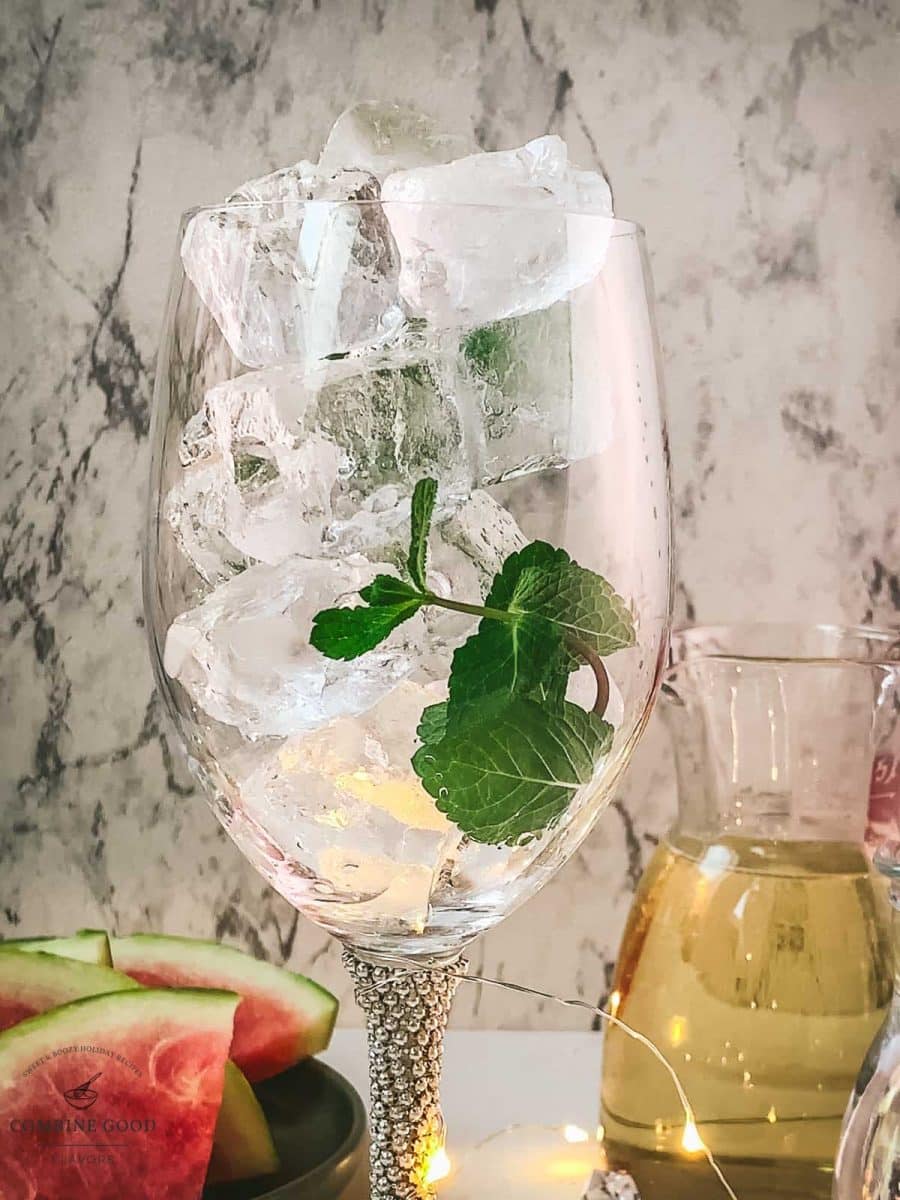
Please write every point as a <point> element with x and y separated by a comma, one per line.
<point>762,971</point>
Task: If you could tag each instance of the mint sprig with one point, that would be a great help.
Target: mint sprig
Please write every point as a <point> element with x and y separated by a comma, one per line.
<point>505,753</point>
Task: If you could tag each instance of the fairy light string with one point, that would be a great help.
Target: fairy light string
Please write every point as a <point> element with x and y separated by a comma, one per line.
<point>691,1132</point>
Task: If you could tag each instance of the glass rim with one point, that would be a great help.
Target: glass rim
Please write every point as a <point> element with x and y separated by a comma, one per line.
<point>871,636</point>
<point>622,227</point>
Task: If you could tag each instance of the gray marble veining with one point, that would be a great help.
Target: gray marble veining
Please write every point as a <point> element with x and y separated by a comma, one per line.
<point>758,144</point>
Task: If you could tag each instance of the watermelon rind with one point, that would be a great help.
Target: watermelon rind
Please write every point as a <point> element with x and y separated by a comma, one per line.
<point>191,961</point>
<point>36,981</point>
<point>88,945</point>
<point>197,1007</point>
<point>243,1147</point>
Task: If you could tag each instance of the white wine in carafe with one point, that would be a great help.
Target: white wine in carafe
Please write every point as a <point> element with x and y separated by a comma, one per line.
<point>761,969</point>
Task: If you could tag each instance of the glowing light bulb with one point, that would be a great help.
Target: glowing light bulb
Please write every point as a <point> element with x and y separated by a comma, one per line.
<point>691,1140</point>
<point>574,1133</point>
<point>615,1000</point>
<point>771,1115</point>
<point>677,1027</point>
<point>439,1166</point>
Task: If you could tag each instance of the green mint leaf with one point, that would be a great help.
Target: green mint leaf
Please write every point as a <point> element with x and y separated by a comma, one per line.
<point>506,659</point>
<point>539,604</point>
<point>389,590</point>
<point>580,603</point>
<point>433,724</point>
<point>552,690</point>
<point>250,468</point>
<point>508,773</point>
<point>422,508</point>
<point>349,632</point>
<point>488,351</point>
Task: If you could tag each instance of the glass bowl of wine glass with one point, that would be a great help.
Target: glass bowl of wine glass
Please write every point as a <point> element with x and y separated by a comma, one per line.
<point>407,571</point>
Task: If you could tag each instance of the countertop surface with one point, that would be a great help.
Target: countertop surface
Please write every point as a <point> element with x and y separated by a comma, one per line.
<point>494,1079</point>
<point>521,1110</point>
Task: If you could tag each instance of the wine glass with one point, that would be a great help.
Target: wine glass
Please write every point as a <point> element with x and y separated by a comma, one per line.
<point>407,574</point>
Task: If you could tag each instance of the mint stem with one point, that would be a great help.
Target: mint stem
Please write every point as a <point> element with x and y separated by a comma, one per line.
<point>475,610</point>
<point>595,662</point>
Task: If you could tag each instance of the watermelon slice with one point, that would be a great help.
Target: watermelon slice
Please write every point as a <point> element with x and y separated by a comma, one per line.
<point>32,981</point>
<point>88,945</point>
<point>282,1018</point>
<point>114,1096</point>
<point>243,1146</point>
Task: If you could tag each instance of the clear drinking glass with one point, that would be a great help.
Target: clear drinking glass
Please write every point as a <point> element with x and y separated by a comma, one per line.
<point>756,953</point>
<point>490,481</point>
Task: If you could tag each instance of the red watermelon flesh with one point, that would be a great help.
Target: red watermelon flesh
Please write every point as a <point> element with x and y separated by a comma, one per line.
<point>114,1096</point>
<point>282,1018</point>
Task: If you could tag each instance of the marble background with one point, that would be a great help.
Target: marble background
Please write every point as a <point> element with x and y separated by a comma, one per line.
<point>758,143</point>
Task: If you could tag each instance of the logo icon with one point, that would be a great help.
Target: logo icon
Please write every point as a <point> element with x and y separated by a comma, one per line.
<point>83,1096</point>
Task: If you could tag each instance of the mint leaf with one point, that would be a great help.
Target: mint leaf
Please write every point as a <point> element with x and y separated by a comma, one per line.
<point>349,632</point>
<point>422,509</point>
<point>506,658</point>
<point>388,589</point>
<point>251,468</point>
<point>552,690</point>
<point>540,606</point>
<point>488,351</point>
<point>580,603</point>
<point>433,724</point>
<point>507,773</point>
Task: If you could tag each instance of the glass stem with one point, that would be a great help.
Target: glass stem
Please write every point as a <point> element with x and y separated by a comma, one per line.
<point>406,1014</point>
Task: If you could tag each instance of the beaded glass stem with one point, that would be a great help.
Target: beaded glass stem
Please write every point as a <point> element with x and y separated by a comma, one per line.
<point>406,1015</point>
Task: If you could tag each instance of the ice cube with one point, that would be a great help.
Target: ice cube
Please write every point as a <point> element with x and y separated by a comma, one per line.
<point>539,386</point>
<point>381,138</point>
<point>195,509</point>
<point>297,265</point>
<point>281,505</point>
<point>240,499</point>
<point>529,236</point>
<point>264,408</point>
<point>302,182</point>
<point>520,374</point>
<point>379,528</point>
<point>387,414</point>
<point>395,424</point>
<point>482,531</point>
<point>244,656</point>
<point>345,802</point>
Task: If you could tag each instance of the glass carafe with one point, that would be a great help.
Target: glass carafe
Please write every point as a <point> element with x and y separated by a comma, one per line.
<point>868,1160</point>
<point>756,955</point>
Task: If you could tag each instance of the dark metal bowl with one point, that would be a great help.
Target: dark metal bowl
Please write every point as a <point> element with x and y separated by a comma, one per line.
<point>319,1126</point>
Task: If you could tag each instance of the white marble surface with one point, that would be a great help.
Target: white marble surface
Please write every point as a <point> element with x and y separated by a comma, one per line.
<point>756,141</point>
